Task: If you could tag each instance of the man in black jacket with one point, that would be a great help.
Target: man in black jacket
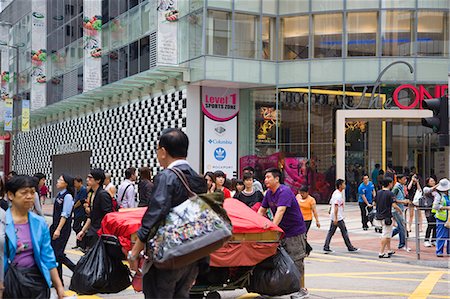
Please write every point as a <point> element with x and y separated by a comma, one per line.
<point>97,208</point>
<point>168,192</point>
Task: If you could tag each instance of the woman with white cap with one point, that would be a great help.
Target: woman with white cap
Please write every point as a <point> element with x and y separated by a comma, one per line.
<point>442,206</point>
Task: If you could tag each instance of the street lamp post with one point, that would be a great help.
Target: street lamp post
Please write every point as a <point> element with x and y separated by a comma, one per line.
<point>16,98</point>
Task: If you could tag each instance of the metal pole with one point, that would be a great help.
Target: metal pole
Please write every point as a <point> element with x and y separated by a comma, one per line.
<point>416,216</point>
<point>17,117</point>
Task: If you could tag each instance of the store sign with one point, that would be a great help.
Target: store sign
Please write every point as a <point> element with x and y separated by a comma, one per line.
<point>92,44</point>
<point>220,104</point>
<point>420,94</point>
<point>38,54</point>
<point>167,32</point>
<point>220,107</point>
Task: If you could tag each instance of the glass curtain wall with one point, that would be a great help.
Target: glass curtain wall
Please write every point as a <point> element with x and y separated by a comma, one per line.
<point>327,35</point>
<point>294,37</point>
<point>396,33</point>
<point>218,33</point>
<point>432,33</point>
<point>246,35</point>
<point>268,38</point>
<point>362,33</point>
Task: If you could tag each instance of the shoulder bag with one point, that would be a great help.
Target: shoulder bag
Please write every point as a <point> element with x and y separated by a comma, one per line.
<point>192,230</point>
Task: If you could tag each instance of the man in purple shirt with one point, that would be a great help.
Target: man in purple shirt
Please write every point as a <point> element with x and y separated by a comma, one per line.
<point>287,215</point>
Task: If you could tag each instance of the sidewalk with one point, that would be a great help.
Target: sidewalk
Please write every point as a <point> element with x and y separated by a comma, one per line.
<point>368,241</point>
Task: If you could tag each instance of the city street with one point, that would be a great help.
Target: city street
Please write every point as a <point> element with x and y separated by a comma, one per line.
<point>347,275</point>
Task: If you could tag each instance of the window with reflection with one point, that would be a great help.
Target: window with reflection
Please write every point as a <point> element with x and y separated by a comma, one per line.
<point>268,38</point>
<point>362,34</point>
<point>218,33</point>
<point>432,33</point>
<point>295,37</point>
<point>328,35</point>
<point>396,33</point>
<point>246,35</point>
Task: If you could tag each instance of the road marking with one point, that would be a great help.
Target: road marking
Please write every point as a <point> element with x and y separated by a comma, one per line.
<point>75,252</point>
<point>426,286</point>
<point>360,292</point>
<point>320,260</point>
<point>366,273</point>
<point>391,278</point>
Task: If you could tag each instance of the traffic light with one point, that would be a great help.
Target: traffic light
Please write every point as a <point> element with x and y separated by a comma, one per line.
<point>440,121</point>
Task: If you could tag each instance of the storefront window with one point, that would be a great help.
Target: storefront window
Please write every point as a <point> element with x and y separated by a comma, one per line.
<point>218,33</point>
<point>246,35</point>
<point>295,38</point>
<point>432,33</point>
<point>268,38</point>
<point>327,35</point>
<point>362,34</point>
<point>396,33</point>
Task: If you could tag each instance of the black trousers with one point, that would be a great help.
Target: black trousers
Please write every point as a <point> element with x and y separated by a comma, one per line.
<point>308,225</point>
<point>169,283</point>
<point>364,214</point>
<point>431,228</point>
<point>344,232</point>
<point>77,226</point>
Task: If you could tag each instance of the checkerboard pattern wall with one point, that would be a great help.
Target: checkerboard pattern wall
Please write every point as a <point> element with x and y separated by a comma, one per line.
<point>118,138</point>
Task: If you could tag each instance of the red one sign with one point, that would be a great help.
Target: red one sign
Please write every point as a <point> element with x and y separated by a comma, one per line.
<point>420,94</point>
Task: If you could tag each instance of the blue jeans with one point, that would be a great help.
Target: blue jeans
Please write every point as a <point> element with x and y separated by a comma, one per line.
<point>442,233</point>
<point>400,229</point>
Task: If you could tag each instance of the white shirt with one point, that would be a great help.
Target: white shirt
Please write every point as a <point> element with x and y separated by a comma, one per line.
<point>127,200</point>
<point>337,199</point>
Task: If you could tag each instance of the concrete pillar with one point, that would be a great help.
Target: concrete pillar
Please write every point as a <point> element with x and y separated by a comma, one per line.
<point>193,126</point>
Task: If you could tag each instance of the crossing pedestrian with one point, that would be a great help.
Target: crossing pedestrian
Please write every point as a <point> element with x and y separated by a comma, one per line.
<point>28,246</point>
<point>168,192</point>
<point>256,184</point>
<point>429,195</point>
<point>366,193</point>
<point>250,196</point>
<point>442,206</point>
<point>283,204</point>
<point>109,186</point>
<point>79,213</point>
<point>99,205</point>
<point>385,201</point>
<point>37,208</point>
<point>399,191</point>
<point>62,221</point>
<point>308,207</point>
<point>126,195</point>
<point>413,187</point>
<point>337,218</point>
<point>145,186</point>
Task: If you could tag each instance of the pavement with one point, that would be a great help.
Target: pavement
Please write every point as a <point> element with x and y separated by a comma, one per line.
<point>343,274</point>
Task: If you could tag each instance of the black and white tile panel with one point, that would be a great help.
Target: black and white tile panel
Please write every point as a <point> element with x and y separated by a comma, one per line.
<point>118,138</point>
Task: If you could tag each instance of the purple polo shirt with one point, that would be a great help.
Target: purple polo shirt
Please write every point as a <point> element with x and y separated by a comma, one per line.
<point>292,223</point>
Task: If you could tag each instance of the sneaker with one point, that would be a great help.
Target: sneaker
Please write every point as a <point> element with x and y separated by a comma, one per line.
<point>325,250</point>
<point>427,244</point>
<point>407,249</point>
<point>354,249</point>
<point>433,243</point>
<point>75,247</point>
<point>365,228</point>
<point>303,293</point>
<point>391,253</point>
<point>384,255</point>
<point>439,255</point>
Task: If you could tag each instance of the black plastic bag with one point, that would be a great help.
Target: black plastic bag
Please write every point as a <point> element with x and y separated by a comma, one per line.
<point>98,272</point>
<point>25,283</point>
<point>275,276</point>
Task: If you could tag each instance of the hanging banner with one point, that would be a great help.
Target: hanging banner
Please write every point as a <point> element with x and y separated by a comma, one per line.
<point>8,114</point>
<point>220,107</point>
<point>167,32</point>
<point>38,54</point>
<point>25,115</point>
<point>92,44</point>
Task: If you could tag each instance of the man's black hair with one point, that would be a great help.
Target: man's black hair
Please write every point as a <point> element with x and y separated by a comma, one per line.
<point>129,172</point>
<point>275,172</point>
<point>175,142</point>
<point>98,174</point>
<point>377,165</point>
<point>39,176</point>
<point>386,181</point>
<point>339,182</point>
<point>247,176</point>
<point>248,168</point>
<point>401,176</point>
<point>78,179</point>
<point>21,181</point>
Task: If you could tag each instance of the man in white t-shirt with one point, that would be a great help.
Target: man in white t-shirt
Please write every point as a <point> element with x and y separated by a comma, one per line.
<point>126,195</point>
<point>337,218</point>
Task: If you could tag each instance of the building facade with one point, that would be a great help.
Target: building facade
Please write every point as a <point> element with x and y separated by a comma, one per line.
<point>252,83</point>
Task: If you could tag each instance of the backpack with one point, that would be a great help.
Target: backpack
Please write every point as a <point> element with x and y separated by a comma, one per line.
<point>115,206</point>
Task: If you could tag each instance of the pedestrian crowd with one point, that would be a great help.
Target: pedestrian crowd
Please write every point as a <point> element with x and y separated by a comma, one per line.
<point>32,254</point>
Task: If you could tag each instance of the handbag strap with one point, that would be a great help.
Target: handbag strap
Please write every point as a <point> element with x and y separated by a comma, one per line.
<point>184,180</point>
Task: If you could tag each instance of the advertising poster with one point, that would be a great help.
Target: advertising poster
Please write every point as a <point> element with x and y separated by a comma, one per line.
<point>220,107</point>
<point>8,114</point>
<point>38,54</point>
<point>266,123</point>
<point>92,44</point>
<point>25,115</point>
<point>167,32</point>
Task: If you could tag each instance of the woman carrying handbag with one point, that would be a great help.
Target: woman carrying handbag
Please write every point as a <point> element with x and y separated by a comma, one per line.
<point>30,268</point>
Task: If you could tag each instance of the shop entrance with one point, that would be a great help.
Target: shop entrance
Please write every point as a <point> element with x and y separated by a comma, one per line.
<point>74,164</point>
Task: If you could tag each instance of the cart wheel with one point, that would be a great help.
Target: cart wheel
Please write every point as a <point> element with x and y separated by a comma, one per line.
<point>213,295</point>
